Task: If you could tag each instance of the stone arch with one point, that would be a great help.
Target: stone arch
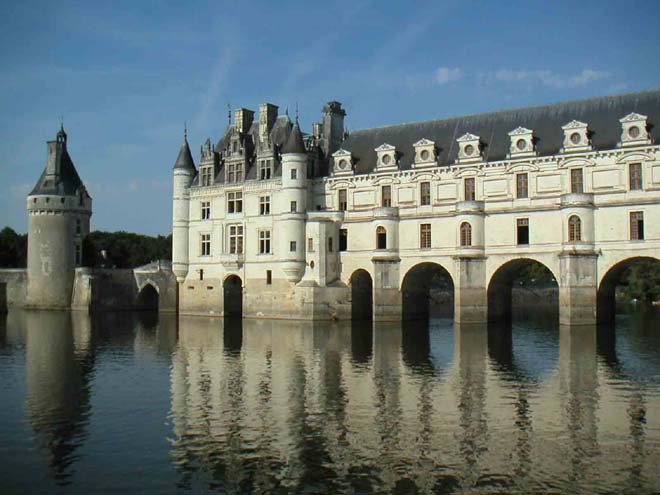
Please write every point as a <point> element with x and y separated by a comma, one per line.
<point>426,283</point>
<point>500,287</point>
<point>606,307</point>
<point>361,285</point>
<point>148,297</point>
<point>232,291</point>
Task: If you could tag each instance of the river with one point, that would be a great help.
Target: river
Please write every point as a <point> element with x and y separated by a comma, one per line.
<point>141,403</point>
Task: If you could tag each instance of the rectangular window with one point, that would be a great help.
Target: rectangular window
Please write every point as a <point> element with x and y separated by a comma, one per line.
<point>343,202</point>
<point>264,242</point>
<point>635,176</point>
<point>205,244</point>
<point>236,239</point>
<point>469,190</point>
<point>269,277</point>
<point>294,173</point>
<point>636,225</point>
<point>330,245</point>
<point>425,236</point>
<point>264,205</point>
<point>265,169</point>
<point>78,254</point>
<point>577,183</point>
<point>78,226</point>
<point>294,206</point>
<point>234,172</point>
<point>206,176</point>
<point>234,202</point>
<point>521,186</point>
<point>206,210</point>
<point>425,193</point>
<point>386,196</point>
<point>310,244</point>
<point>343,239</point>
<point>522,231</point>
<point>201,274</point>
<point>293,246</point>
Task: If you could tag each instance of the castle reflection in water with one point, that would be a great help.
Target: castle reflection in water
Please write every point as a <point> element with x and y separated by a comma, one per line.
<point>280,406</point>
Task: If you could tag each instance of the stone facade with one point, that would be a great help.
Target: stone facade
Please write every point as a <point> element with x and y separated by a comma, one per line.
<point>291,217</point>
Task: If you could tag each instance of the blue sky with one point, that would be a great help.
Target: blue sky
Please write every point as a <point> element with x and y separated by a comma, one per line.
<point>126,75</point>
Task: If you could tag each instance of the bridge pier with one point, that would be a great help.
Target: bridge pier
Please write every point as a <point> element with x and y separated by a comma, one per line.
<point>470,294</point>
<point>387,300</point>
<point>578,288</point>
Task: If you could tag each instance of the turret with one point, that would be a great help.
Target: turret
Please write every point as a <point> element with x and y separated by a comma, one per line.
<point>59,210</point>
<point>294,190</point>
<point>184,172</point>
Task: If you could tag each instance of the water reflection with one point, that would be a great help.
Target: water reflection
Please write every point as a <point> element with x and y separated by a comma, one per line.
<point>281,407</point>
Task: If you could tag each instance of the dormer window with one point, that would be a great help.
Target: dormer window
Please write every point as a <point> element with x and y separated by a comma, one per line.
<point>425,153</point>
<point>206,176</point>
<point>265,169</point>
<point>385,157</point>
<point>342,162</point>
<point>576,137</point>
<point>634,130</point>
<point>522,142</point>
<point>469,148</point>
<point>234,172</point>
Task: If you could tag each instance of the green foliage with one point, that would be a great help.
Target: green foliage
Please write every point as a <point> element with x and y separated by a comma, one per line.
<point>642,281</point>
<point>100,249</point>
<point>13,249</point>
<point>534,275</point>
<point>124,249</point>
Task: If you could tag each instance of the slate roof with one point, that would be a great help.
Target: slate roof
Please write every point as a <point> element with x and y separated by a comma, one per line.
<point>184,160</point>
<point>294,143</point>
<point>602,115</point>
<point>66,182</point>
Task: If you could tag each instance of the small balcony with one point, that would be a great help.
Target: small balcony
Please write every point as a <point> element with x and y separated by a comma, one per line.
<point>386,212</point>
<point>470,207</point>
<point>232,261</point>
<point>577,199</point>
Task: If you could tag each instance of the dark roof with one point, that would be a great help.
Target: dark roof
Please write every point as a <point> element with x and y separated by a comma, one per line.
<point>294,143</point>
<point>185,159</point>
<point>602,115</point>
<point>65,181</point>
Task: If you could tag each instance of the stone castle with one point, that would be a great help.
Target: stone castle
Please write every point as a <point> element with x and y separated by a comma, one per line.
<point>274,222</point>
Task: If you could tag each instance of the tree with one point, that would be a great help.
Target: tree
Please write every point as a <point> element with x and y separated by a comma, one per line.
<point>13,249</point>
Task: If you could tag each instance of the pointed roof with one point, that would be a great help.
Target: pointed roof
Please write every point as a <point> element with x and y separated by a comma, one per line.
<point>294,143</point>
<point>185,159</point>
<point>59,176</point>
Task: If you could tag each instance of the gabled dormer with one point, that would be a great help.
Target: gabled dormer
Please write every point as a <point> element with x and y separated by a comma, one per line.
<point>386,158</point>
<point>425,153</point>
<point>634,131</point>
<point>522,142</point>
<point>469,148</point>
<point>576,137</point>
<point>342,163</point>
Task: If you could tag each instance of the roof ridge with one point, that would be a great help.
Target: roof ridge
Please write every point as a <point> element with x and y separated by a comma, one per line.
<point>513,109</point>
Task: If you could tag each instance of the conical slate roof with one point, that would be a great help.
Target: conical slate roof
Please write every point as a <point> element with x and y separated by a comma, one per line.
<point>185,159</point>
<point>294,144</point>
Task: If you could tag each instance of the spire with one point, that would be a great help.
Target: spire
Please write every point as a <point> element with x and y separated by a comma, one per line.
<point>61,135</point>
<point>185,159</point>
<point>294,143</point>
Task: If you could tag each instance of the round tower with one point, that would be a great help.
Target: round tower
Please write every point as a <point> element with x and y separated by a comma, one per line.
<point>294,197</point>
<point>59,210</point>
<point>184,172</point>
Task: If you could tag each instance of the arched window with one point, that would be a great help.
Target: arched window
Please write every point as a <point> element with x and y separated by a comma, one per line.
<point>466,234</point>
<point>574,229</point>
<point>381,238</point>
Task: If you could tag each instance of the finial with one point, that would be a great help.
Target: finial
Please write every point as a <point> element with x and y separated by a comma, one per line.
<point>62,123</point>
<point>286,111</point>
<point>185,130</point>
<point>296,112</point>
<point>228,113</point>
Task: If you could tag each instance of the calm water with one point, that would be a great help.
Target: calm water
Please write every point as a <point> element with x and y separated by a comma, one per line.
<point>134,403</point>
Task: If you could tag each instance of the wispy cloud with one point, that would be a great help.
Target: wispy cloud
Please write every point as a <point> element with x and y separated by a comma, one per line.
<point>444,75</point>
<point>548,78</point>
